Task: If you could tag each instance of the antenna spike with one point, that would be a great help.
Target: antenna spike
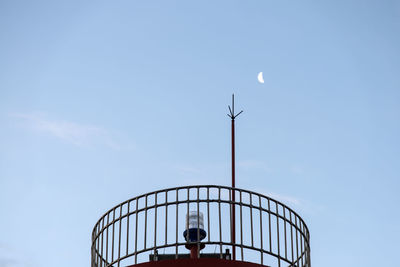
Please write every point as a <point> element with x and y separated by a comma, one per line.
<point>233,103</point>
<point>233,192</point>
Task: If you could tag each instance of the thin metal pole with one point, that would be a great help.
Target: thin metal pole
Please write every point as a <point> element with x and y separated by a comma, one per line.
<point>284,224</point>
<point>198,223</point>
<point>127,228</point>
<point>208,214</point>
<point>155,221</point>
<point>113,236</point>
<point>241,227</point>
<point>145,224</point>
<point>187,215</point>
<point>233,191</point>
<point>269,226</point>
<point>233,116</point>
<point>108,220</point>
<point>102,241</point>
<point>136,228</point>
<point>220,226</point>
<point>176,226</point>
<point>277,234</point>
<point>119,237</point>
<point>261,232</point>
<point>308,250</point>
<point>166,217</point>
<point>251,219</point>
<point>291,235</point>
<point>297,242</point>
<point>99,257</point>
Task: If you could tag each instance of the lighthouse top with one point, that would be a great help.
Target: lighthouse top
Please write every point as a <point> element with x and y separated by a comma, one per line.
<point>159,227</point>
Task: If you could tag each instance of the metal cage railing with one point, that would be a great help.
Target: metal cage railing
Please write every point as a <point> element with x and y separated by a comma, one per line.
<point>267,232</point>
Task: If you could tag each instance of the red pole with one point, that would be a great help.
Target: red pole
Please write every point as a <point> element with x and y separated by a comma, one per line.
<point>193,252</point>
<point>233,234</point>
<point>232,115</point>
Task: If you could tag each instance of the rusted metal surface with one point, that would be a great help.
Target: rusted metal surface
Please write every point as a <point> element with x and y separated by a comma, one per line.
<point>268,232</point>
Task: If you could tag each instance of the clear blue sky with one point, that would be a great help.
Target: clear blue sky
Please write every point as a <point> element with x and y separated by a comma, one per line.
<point>103,100</point>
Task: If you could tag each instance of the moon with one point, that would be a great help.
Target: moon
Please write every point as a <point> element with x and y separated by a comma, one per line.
<point>260,78</point>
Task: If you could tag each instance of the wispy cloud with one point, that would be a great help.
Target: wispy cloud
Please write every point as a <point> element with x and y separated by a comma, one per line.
<point>10,257</point>
<point>71,132</point>
<point>6,262</point>
<point>290,200</point>
<point>299,204</point>
<point>216,174</point>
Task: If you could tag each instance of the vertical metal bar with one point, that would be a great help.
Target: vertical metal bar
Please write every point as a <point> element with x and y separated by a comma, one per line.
<point>208,214</point>
<point>102,238</point>
<point>291,235</point>
<point>92,249</point>
<point>136,228</point>
<point>145,224</point>
<point>233,227</point>
<point>166,217</point>
<point>98,248</point>
<point>230,215</point>
<point>305,247</point>
<point>198,223</point>
<point>284,224</point>
<point>93,253</point>
<point>308,249</point>
<point>297,241</point>
<point>241,226</point>
<point>92,261</point>
<point>301,245</point>
<point>98,243</point>
<point>251,218</point>
<point>278,234</point>
<point>155,221</point>
<point>113,236</point>
<point>220,227</point>
<point>176,226</point>
<point>233,207</point>
<point>261,232</point>
<point>187,215</point>
<point>108,220</point>
<point>127,229</point>
<point>119,235</point>
<point>269,226</point>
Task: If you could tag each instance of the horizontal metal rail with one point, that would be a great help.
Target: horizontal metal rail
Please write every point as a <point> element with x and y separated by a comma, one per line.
<point>270,233</point>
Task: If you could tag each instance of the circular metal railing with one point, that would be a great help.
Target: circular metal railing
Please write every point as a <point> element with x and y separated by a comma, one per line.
<point>151,225</point>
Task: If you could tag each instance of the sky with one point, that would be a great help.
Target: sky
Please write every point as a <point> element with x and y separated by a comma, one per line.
<point>101,101</point>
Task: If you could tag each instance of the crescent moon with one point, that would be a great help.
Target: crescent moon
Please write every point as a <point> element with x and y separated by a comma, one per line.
<point>260,78</point>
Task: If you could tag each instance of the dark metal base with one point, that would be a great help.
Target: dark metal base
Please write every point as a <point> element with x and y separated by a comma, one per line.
<point>161,257</point>
<point>202,262</point>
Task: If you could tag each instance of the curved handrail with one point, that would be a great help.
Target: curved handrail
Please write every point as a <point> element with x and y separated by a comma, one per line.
<point>286,239</point>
